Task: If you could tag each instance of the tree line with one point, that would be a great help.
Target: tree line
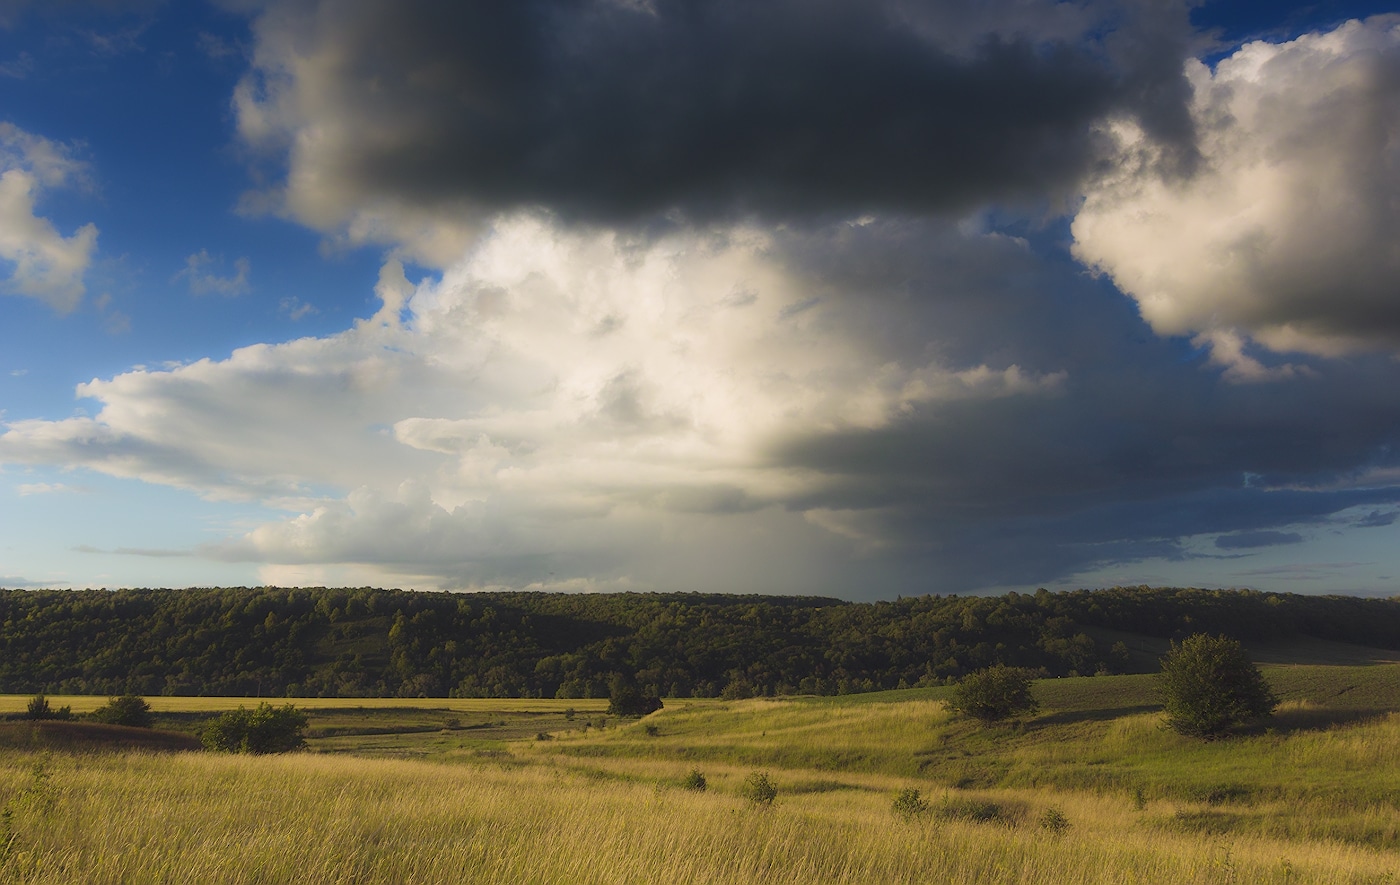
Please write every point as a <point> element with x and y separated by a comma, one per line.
<point>365,642</point>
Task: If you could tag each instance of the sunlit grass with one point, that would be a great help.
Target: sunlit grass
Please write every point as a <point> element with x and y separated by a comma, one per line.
<point>1313,797</point>
<point>318,819</point>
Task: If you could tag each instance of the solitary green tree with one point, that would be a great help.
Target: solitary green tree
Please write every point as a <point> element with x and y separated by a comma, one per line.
<point>1208,685</point>
<point>994,694</point>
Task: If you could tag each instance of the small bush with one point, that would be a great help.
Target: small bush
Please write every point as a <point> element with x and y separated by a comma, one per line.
<point>129,709</point>
<point>653,731</point>
<point>39,709</point>
<point>994,694</point>
<point>694,781</point>
<point>759,789</point>
<point>909,804</point>
<point>266,729</point>
<point>1053,821</point>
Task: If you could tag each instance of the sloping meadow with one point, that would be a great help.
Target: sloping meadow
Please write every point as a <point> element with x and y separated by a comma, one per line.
<point>1090,790</point>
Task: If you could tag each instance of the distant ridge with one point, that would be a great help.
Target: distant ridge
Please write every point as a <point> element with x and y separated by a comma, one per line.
<point>363,642</point>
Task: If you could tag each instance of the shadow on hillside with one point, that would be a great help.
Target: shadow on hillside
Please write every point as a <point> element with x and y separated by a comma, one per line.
<point>1293,720</point>
<point>1069,717</point>
<point>79,737</point>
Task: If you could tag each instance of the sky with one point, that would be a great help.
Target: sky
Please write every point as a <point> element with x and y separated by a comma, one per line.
<point>858,298</point>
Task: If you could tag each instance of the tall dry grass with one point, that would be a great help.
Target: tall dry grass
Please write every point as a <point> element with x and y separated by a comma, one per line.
<point>314,819</point>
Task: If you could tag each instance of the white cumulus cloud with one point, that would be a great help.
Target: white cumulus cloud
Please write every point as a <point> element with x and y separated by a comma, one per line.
<point>44,264</point>
<point>1284,236</point>
<point>578,397</point>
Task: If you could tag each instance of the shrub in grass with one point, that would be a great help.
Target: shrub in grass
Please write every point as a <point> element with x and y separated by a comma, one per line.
<point>1208,685</point>
<point>653,731</point>
<point>759,789</point>
<point>266,729</point>
<point>909,804</point>
<point>39,709</point>
<point>994,694</point>
<point>1053,821</point>
<point>129,709</point>
<point>694,781</point>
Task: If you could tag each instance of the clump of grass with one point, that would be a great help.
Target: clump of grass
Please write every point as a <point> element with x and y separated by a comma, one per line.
<point>759,789</point>
<point>653,730</point>
<point>979,811</point>
<point>694,781</point>
<point>909,804</point>
<point>819,785</point>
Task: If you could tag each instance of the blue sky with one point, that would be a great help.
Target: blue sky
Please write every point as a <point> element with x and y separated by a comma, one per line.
<point>857,298</point>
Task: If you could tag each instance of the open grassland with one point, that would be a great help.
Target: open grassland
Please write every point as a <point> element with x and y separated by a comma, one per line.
<point>1311,797</point>
<point>311,819</point>
<point>13,703</point>
<point>400,727</point>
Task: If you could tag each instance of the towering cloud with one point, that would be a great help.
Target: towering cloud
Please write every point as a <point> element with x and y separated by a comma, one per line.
<point>1285,234</point>
<point>860,408</point>
<point>778,296</point>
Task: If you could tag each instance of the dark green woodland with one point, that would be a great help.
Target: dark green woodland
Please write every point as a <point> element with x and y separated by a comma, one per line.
<point>273,642</point>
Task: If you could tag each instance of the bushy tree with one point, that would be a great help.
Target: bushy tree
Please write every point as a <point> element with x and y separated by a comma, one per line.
<point>129,709</point>
<point>1208,685</point>
<point>266,729</point>
<point>626,699</point>
<point>995,693</point>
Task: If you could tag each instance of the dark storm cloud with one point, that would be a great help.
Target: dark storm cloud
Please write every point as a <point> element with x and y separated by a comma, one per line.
<point>1377,519</point>
<point>618,110</point>
<point>1141,448</point>
<point>1252,540</point>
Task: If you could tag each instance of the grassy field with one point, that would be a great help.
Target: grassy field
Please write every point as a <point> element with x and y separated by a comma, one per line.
<point>1091,790</point>
<point>13,703</point>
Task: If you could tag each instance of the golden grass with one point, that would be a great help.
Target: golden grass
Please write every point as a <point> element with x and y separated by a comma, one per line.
<point>1315,799</point>
<point>316,819</point>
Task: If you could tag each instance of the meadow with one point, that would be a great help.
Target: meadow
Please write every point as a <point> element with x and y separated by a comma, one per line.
<point>1090,790</point>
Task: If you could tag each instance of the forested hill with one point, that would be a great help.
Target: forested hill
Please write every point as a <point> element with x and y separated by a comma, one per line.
<point>367,642</point>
